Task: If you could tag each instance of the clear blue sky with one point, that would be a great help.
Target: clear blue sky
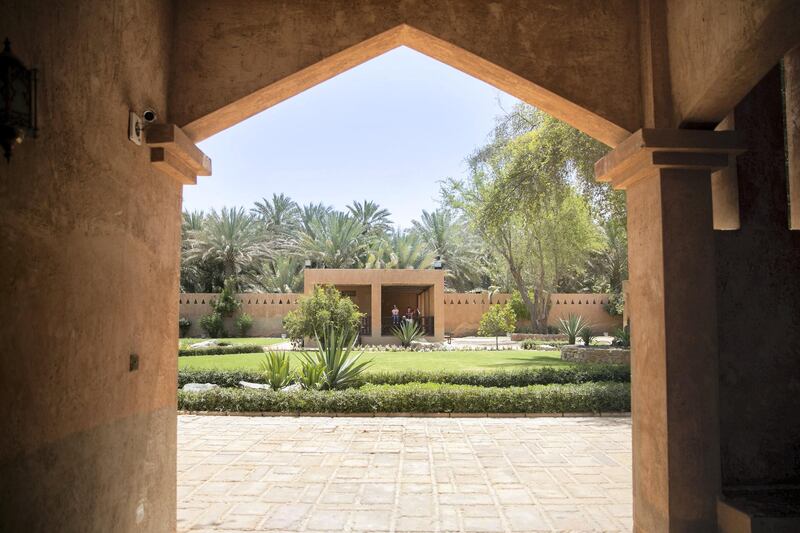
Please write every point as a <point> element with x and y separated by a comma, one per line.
<point>387,130</point>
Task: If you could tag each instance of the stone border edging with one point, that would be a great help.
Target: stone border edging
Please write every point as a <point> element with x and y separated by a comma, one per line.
<point>296,414</point>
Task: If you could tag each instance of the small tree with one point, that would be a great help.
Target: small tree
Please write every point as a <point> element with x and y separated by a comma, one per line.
<point>317,312</point>
<point>498,320</point>
<point>227,304</point>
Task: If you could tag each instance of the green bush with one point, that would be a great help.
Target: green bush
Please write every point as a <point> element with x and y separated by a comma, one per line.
<point>213,325</point>
<point>496,378</point>
<point>221,350</point>
<point>615,306</point>
<point>498,320</point>
<point>622,337</point>
<point>243,324</point>
<point>534,344</point>
<point>324,307</point>
<point>586,335</point>
<point>183,326</point>
<point>418,398</point>
<point>227,304</point>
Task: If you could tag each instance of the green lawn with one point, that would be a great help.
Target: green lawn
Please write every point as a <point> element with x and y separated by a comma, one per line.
<point>261,341</point>
<point>388,361</point>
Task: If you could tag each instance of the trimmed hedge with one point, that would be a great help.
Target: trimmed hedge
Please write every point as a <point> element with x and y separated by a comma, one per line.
<point>221,350</point>
<point>417,398</point>
<point>498,378</point>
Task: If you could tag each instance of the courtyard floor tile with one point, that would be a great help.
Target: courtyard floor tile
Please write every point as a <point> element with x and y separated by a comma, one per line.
<point>239,473</point>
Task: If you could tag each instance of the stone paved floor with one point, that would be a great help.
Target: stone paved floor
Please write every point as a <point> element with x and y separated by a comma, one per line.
<point>403,474</point>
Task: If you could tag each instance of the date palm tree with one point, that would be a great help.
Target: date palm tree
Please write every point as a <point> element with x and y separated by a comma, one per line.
<point>334,241</point>
<point>231,238</point>
<point>280,215</point>
<point>372,216</point>
<point>447,237</point>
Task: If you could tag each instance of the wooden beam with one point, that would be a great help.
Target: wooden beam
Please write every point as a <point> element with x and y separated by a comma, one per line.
<point>648,149</point>
<point>171,138</point>
<point>173,166</point>
<point>791,80</point>
<point>725,189</point>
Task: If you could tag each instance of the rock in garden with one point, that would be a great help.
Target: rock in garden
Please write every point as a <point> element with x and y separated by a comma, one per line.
<point>294,387</point>
<point>249,385</point>
<point>205,344</point>
<point>199,387</point>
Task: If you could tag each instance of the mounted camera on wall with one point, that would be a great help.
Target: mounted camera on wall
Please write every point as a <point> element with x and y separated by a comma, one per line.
<point>136,124</point>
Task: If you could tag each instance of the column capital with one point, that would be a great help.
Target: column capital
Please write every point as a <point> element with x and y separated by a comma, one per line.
<point>649,150</point>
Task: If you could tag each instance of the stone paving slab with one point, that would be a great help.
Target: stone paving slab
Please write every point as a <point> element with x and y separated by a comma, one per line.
<point>403,474</point>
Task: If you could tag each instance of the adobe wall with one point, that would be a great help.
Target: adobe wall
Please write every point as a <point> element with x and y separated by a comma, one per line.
<point>267,310</point>
<point>89,234</point>
<point>758,307</point>
<point>463,311</point>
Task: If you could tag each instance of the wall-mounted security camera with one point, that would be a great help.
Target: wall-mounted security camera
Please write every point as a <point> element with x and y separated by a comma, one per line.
<point>149,116</point>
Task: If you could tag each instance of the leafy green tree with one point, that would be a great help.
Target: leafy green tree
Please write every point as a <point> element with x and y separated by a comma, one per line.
<point>541,230</point>
<point>325,307</point>
<point>498,320</point>
<point>402,249</point>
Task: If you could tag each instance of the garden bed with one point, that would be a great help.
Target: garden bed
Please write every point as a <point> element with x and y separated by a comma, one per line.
<point>417,398</point>
<point>596,354</point>
<point>498,378</point>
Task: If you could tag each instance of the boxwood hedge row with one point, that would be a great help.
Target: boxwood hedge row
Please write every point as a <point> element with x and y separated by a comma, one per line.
<point>221,350</point>
<point>498,378</point>
<point>418,398</point>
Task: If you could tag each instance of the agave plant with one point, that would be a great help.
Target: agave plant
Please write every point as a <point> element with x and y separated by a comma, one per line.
<point>407,332</point>
<point>312,372</point>
<point>572,326</point>
<point>586,335</point>
<point>341,365</point>
<point>622,337</point>
<point>275,368</point>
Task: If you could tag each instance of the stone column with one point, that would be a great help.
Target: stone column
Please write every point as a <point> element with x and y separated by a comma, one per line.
<point>437,305</point>
<point>676,456</point>
<point>375,309</point>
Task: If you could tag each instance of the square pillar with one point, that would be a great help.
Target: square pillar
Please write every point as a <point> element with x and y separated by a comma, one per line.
<point>674,363</point>
<point>375,309</point>
<point>437,304</point>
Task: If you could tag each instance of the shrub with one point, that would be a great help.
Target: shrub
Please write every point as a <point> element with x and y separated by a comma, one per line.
<point>495,378</point>
<point>418,398</point>
<point>572,327</point>
<point>221,350</point>
<point>622,337</point>
<point>213,325</point>
<point>275,370</point>
<point>227,304</point>
<point>586,335</point>
<point>407,332</point>
<point>243,324</point>
<point>183,326</point>
<point>324,307</point>
<point>341,366</point>
<point>535,344</point>
<point>498,320</point>
<point>615,306</point>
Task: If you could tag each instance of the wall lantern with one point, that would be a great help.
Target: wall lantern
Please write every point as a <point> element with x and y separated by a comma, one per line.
<point>17,101</point>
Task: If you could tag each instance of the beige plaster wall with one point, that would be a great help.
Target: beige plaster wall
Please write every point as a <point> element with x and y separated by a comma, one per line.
<point>267,310</point>
<point>234,58</point>
<point>719,49</point>
<point>89,234</point>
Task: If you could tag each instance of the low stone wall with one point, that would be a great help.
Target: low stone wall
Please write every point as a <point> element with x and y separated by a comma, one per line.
<point>539,336</point>
<point>596,354</point>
